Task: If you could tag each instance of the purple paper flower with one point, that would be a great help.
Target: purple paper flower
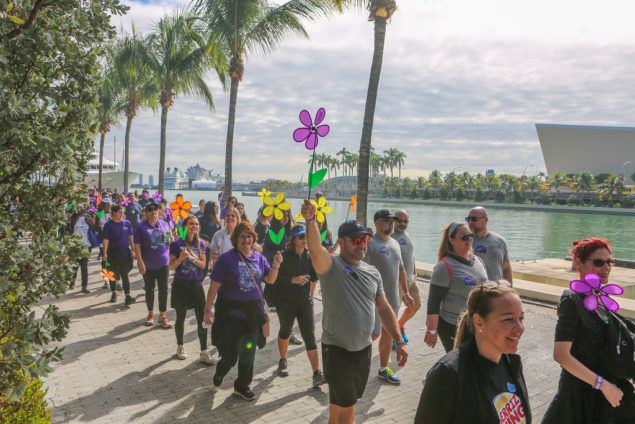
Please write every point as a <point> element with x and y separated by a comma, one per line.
<point>311,130</point>
<point>168,212</point>
<point>92,209</point>
<point>126,202</point>
<point>157,197</point>
<point>592,285</point>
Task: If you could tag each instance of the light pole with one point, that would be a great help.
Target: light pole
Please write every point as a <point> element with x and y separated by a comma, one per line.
<point>624,165</point>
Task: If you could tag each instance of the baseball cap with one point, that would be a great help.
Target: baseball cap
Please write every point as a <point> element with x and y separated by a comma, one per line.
<point>352,229</point>
<point>152,205</point>
<point>298,230</point>
<point>383,214</point>
<point>106,200</point>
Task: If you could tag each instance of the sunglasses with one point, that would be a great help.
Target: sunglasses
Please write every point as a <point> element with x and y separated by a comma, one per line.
<point>600,263</point>
<point>152,209</point>
<point>466,236</point>
<point>360,240</point>
<point>405,221</point>
<point>473,218</point>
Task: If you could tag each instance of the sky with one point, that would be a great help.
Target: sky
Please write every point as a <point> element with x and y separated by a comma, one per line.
<point>463,83</point>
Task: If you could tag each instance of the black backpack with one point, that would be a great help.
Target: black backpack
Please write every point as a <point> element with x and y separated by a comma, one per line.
<point>618,358</point>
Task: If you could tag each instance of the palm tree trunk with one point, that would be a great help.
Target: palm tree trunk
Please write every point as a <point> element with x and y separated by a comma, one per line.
<point>102,140</point>
<point>369,115</point>
<point>126,166</point>
<point>164,124</point>
<point>229,146</point>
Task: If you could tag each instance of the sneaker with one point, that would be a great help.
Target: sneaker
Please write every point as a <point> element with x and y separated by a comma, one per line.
<point>403,334</point>
<point>283,371</point>
<point>180,352</point>
<point>150,320</point>
<point>84,290</point>
<point>218,380</point>
<point>318,378</point>
<point>119,286</point>
<point>129,300</point>
<point>113,298</point>
<point>389,376</point>
<point>71,286</point>
<point>106,285</point>
<point>164,322</point>
<point>294,339</point>
<point>245,393</point>
<point>206,358</point>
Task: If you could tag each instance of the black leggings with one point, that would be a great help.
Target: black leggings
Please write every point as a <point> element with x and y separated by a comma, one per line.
<point>238,344</point>
<point>120,267</point>
<point>287,315</point>
<point>160,276</point>
<point>447,333</point>
<point>179,325</point>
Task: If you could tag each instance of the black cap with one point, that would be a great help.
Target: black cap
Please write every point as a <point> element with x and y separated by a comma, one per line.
<point>383,214</point>
<point>352,229</point>
<point>151,205</point>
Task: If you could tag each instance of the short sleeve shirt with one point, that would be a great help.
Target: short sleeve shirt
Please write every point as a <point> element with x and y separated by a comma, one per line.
<point>154,241</point>
<point>117,233</point>
<point>407,246</point>
<point>221,242</point>
<point>385,255</point>
<point>187,270</point>
<point>349,292</point>
<point>493,251</point>
<point>133,212</point>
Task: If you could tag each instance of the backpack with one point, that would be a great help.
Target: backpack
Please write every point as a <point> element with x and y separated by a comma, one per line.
<point>618,358</point>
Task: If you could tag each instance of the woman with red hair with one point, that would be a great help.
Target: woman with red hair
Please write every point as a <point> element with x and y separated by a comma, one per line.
<point>587,392</point>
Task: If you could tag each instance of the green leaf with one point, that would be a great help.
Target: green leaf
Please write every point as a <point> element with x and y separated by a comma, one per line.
<point>323,236</point>
<point>107,263</point>
<point>15,19</point>
<point>316,178</point>
<point>100,214</point>
<point>182,233</point>
<point>276,238</point>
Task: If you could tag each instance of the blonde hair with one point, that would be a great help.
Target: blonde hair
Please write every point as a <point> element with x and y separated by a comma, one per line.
<point>446,247</point>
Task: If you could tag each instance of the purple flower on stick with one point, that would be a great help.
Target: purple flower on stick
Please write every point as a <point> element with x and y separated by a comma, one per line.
<point>125,202</point>
<point>592,285</point>
<point>311,130</point>
<point>157,197</point>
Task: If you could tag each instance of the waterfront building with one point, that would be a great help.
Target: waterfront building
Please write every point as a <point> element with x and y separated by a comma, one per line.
<point>140,179</point>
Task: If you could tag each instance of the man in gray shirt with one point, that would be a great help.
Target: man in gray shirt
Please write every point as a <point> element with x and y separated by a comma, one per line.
<point>489,246</point>
<point>383,253</point>
<point>351,292</point>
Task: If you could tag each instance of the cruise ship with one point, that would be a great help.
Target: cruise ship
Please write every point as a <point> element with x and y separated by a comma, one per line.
<point>112,176</point>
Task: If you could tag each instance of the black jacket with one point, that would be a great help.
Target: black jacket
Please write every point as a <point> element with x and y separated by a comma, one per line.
<point>460,388</point>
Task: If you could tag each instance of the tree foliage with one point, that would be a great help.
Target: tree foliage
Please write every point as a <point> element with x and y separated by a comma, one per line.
<point>49,56</point>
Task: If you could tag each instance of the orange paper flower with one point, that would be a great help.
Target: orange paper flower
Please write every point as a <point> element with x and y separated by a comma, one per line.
<point>180,207</point>
<point>352,203</point>
<point>107,275</point>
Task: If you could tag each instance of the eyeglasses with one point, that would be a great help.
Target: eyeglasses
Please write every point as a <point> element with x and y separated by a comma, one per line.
<point>246,236</point>
<point>405,221</point>
<point>473,218</point>
<point>360,240</point>
<point>466,236</point>
<point>600,263</point>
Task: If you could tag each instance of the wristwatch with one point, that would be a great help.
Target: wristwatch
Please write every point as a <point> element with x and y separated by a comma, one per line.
<point>431,331</point>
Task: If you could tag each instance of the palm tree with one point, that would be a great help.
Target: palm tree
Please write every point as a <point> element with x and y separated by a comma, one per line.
<point>556,180</point>
<point>614,184</point>
<point>435,181</point>
<point>533,184</point>
<point>344,153</point>
<point>110,108</point>
<point>246,26</point>
<point>399,160</point>
<point>584,182</point>
<point>391,156</point>
<point>492,182</point>
<point>181,55</point>
<point>353,161</point>
<point>380,13</point>
<point>133,75</point>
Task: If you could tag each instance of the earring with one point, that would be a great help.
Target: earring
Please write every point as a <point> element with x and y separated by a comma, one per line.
<point>480,330</point>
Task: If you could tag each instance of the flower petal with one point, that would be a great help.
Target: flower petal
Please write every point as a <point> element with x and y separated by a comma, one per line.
<point>319,116</point>
<point>323,130</point>
<point>311,141</point>
<point>610,304</point>
<point>314,203</point>
<point>305,118</point>
<point>284,206</point>
<point>175,212</point>
<point>267,211</point>
<point>320,217</point>
<point>322,201</point>
<point>301,134</point>
<point>591,302</point>
<point>267,200</point>
<point>327,209</point>
<point>179,200</point>
<point>187,206</point>
<point>184,213</point>
<point>612,289</point>
<point>593,280</point>
<point>580,286</point>
<point>279,198</point>
<point>278,214</point>
<point>174,205</point>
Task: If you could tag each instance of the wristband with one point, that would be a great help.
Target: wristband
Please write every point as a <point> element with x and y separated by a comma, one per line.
<point>275,267</point>
<point>406,293</point>
<point>208,311</point>
<point>431,331</point>
<point>598,382</point>
<point>308,221</point>
<point>400,341</point>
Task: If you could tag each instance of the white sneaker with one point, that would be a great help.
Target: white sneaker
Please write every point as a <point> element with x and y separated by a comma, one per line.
<point>180,352</point>
<point>207,358</point>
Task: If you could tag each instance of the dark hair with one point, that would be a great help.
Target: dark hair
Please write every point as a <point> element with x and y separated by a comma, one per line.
<point>210,212</point>
<point>291,243</point>
<point>231,202</point>
<point>276,224</point>
<point>480,301</point>
<point>241,227</point>
<point>583,249</point>
<point>445,249</point>
<point>115,208</point>
<point>195,239</point>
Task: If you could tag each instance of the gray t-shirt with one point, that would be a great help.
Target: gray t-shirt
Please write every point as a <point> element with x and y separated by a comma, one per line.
<point>385,255</point>
<point>349,292</point>
<point>407,246</point>
<point>466,274</point>
<point>493,250</point>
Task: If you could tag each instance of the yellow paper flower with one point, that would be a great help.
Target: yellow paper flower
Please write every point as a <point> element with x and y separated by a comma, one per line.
<point>275,206</point>
<point>299,217</point>
<point>321,209</point>
<point>264,193</point>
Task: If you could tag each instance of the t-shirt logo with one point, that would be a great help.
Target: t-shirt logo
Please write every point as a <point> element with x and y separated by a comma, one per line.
<point>469,281</point>
<point>245,282</point>
<point>157,238</point>
<point>509,408</point>
<point>402,241</point>
<point>480,249</point>
<point>350,272</point>
<point>383,251</point>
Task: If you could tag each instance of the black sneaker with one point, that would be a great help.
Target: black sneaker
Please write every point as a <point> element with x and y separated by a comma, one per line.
<point>282,368</point>
<point>129,300</point>
<point>245,393</point>
<point>71,286</point>
<point>218,380</point>
<point>113,298</point>
<point>84,290</point>
<point>318,378</point>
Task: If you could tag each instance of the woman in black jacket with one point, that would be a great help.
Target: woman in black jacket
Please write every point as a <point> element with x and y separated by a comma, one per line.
<point>481,381</point>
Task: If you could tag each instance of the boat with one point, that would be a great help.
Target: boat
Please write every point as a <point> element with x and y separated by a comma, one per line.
<point>112,177</point>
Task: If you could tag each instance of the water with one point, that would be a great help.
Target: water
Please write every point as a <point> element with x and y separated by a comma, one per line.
<point>529,234</point>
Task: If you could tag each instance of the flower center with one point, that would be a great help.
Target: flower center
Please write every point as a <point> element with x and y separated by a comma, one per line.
<point>313,129</point>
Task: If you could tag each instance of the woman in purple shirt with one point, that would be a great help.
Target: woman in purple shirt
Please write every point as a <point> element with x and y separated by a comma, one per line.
<point>187,259</point>
<point>237,278</point>
<point>117,239</point>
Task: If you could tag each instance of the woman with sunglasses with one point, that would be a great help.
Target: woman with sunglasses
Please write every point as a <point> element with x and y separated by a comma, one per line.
<point>221,241</point>
<point>587,393</point>
<point>481,381</point>
<point>457,272</point>
<point>294,300</point>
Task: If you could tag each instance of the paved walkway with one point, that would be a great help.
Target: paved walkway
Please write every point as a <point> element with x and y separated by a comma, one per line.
<point>117,370</point>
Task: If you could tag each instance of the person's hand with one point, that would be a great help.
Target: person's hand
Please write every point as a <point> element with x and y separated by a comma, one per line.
<point>300,279</point>
<point>142,267</point>
<point>308,210</point>
<point>184,255</point>
<point>408,300</point>
<point>402,354</point>
<point>208,318</point>
<point>277,260</point>
<point>134,255</point>
<point>612,393</point>
<point>430,339</point>
<point>105,257</point>
<point>213,256</point>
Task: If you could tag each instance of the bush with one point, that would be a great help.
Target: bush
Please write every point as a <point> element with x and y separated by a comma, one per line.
<point>413,193</point>
<point>384,193</point>
<point>499,197</point>
<point>426,194</point>
<point>518,197</point>
<point>629,201</point>
<point>479,195</point>
<point>543,198</point>
<point>459,194</point>
<point>573,199</point>
<point>31,408</point>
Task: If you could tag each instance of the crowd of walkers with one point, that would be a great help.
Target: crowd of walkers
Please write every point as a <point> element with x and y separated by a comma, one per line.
<point>364,277</point>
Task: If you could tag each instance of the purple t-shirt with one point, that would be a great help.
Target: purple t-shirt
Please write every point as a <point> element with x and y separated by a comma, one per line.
<point>155,243</point>
<point>223,211</point>
<point>236,283</point>
<point>187,270</point>
<point>117,233</point>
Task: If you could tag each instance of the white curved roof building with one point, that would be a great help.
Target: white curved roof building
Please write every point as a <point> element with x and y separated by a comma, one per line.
<point>578,148</point>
